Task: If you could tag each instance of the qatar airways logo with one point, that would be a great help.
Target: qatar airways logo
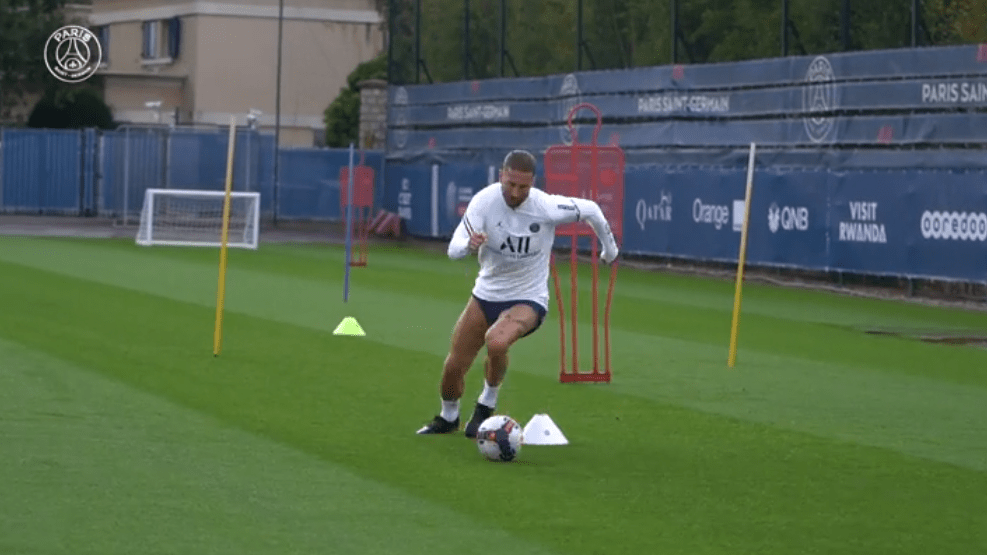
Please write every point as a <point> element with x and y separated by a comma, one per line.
<point>660,212</point>
<point>954,226</point>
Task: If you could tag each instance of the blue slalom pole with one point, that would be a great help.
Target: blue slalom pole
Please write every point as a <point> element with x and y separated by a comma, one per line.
<point>349,228</point>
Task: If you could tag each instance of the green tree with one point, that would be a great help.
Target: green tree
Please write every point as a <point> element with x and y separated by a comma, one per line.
<point>71,107</point>
<point>541,35</point>
<point>401,40</point>
<point>744,30</point>
<point>342,117</point>
<point>880,24</point>
<point>956,21</point>
<point>25,26</point>
<point>650,32</point>
<point>484,38</point>
<point>607,34</point>
<point>540,38</point>
<point>441,39</point>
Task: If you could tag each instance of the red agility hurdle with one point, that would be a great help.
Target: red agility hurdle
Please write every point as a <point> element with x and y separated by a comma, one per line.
<point>363,201</point>
<point>594,172</point>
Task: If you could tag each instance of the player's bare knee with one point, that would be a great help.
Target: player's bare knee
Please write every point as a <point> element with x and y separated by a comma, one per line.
<point>457,365</point>
<point>498,344</point>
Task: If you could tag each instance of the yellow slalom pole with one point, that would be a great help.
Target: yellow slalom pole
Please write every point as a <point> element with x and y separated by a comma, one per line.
<point>217,341</point>
<point>738,295</point>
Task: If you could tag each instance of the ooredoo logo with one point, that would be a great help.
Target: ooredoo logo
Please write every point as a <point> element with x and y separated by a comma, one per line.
<point>954,226</point>
<point>73,54</point>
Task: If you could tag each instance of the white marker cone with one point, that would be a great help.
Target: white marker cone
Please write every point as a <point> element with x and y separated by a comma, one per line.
<point>541,430</point>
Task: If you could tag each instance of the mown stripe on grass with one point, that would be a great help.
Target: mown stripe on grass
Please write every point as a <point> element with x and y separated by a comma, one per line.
<point>781,378</point>
<point>640,475</point>
<point>915,415</point>
<point>94,466</point>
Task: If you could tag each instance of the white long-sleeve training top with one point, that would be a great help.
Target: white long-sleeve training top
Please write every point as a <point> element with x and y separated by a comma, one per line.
<point>514,261</point>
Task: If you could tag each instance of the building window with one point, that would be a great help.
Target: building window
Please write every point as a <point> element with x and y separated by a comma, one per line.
<point>162,40</point>
<point>150,32</point>
<point>174,37</point>
<point>103,36</point>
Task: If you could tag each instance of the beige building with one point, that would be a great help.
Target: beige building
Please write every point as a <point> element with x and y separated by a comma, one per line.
<point>201,63</point>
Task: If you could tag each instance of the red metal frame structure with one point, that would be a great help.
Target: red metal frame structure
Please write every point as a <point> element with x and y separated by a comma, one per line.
<point>594,172</point>
<point>363,201</point>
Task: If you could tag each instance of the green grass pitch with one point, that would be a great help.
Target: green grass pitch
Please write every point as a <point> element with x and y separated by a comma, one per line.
<point>120,433</point>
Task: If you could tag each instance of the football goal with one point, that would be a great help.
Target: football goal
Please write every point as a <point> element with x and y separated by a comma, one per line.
<point>195,218</point>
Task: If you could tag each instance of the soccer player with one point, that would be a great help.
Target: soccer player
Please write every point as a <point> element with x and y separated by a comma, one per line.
<point>511,226</point>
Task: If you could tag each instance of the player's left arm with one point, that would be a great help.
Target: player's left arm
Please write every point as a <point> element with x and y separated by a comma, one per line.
<point>572,209</point>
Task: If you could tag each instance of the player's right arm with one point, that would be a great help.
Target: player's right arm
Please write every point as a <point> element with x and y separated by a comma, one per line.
<point>469,234</point>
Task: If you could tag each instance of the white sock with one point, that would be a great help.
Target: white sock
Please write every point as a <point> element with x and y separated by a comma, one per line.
<point>489,395</point>
<point>450,410</point>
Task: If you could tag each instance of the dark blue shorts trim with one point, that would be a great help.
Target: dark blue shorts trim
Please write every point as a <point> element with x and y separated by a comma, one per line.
<point>493,309</point>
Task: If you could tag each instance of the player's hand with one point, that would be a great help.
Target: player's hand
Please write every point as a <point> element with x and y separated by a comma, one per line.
<point>477,239</point>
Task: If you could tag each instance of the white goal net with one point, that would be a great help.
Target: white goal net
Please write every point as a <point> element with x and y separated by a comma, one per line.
<point>195,218</point>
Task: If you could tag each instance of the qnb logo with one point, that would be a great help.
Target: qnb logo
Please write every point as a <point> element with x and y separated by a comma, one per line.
<point>715,214</point>
<point>788,218</point>
<point>954,226</point>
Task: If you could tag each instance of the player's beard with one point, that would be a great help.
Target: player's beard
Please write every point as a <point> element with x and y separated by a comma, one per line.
<point>512,202</point>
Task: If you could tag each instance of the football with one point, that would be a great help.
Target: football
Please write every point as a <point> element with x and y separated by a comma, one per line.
<point>499,438</point>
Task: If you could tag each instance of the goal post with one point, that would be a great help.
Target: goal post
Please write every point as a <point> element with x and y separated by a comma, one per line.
<point>193,218</point>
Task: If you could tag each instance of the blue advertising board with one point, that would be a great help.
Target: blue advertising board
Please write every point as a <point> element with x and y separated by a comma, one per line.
<point>410,196</point>
<point>915,93</point>
<point>899,97</point>
<point>846,179</point>
<point>943,129</point>
<point>899,223</point>
<point>788,223</point>
<point>932,224</point>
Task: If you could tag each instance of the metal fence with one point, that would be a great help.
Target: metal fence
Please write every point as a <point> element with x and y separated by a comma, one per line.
<point>105,173</point>
<point>44,171</point>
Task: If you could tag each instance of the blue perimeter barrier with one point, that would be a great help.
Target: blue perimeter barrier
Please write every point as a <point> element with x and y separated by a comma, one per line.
<point>834,187</point>
<point>864,99</point>
<point>923,224</point>
<point>105,173</point>
<point>868,162</point>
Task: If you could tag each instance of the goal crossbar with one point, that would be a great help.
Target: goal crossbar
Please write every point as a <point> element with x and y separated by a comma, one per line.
<point>194,218</point>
